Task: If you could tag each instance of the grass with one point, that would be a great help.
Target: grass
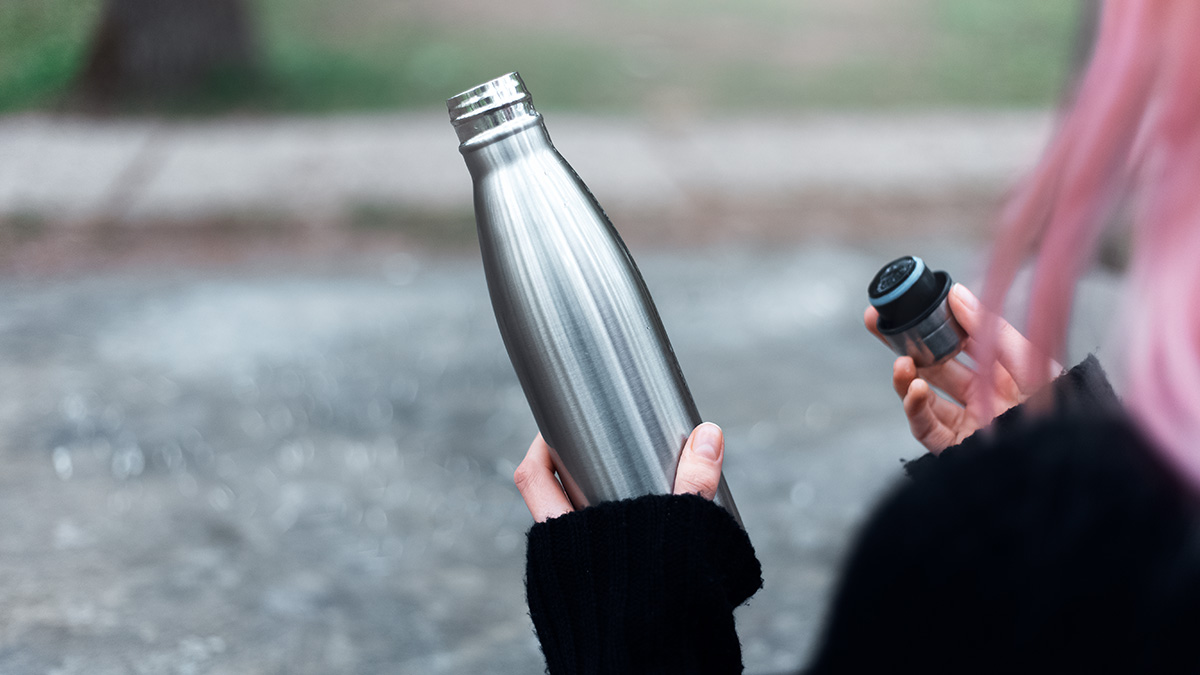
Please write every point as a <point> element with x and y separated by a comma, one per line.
<point>1004,52</point>
<point>966,54</point>
<point>636,55</point>
<point>423,68</point>
<point>42,45</point>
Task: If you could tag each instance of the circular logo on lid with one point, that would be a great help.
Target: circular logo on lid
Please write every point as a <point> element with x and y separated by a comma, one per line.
<point>894,274</point>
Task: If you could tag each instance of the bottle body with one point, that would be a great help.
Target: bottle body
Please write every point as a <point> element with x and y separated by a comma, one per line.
<point>577,320</point>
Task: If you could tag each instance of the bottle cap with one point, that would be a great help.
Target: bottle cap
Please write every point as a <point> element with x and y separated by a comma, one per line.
<point>914,314</point>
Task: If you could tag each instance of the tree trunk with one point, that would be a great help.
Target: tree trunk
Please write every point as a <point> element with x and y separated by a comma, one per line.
<point>151,49</point>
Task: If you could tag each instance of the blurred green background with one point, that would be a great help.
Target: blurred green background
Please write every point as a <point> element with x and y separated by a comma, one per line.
<point>620,56</point>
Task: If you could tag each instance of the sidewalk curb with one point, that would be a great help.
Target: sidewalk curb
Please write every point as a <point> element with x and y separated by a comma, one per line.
<point>78,170</point>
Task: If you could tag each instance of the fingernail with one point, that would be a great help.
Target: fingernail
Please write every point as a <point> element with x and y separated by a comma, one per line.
<point>965,296</point>
<point>706,442</point>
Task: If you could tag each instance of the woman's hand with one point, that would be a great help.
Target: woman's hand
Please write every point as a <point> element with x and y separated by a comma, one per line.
<point>699,472</point>
<point>939,423</point>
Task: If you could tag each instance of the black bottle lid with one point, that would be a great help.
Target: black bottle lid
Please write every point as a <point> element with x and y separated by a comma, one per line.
<point>904,291</point>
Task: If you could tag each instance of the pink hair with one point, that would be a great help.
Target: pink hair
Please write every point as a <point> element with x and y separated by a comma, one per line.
<point>1134,124</point>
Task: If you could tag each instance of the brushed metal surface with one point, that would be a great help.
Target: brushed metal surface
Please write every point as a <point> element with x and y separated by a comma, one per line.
<point>936,338</point>
<point>577,320</point>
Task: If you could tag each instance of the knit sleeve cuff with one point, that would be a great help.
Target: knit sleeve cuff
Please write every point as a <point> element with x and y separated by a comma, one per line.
<point>1082,390</point>
<point>641,585</point>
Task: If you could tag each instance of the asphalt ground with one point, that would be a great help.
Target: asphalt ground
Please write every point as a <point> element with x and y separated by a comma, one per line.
<point>274,470</point>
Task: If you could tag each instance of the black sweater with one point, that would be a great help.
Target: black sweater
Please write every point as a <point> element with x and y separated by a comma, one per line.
<point>1053,543</point>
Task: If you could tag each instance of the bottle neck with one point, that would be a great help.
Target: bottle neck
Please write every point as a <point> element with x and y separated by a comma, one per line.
<point>506,145</point>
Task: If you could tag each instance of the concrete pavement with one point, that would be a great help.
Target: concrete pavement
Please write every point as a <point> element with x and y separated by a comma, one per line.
<point>283,471</point>
<point>76,170</point>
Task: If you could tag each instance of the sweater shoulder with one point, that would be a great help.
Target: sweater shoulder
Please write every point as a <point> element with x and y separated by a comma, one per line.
<point>1057,476</point>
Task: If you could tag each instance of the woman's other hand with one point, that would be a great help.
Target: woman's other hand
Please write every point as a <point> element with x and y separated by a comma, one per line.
<point>699,472</point>
<point>938,422</point>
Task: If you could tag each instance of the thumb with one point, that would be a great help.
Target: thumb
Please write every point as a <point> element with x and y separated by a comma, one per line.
<point>967,309</point>
<point>699,470</point>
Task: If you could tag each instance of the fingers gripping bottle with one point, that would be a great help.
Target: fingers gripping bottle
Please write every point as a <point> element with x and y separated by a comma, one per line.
<point>580,327</point>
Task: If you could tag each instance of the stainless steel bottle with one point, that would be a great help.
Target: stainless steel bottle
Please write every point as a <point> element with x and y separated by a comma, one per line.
<point>579,325</point>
